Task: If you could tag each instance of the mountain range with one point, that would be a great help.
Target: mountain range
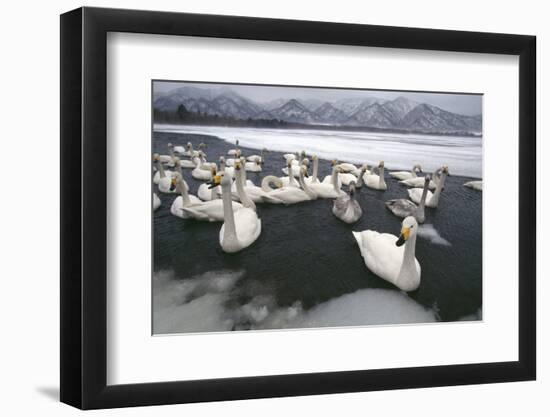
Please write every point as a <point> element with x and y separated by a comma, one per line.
<point>400,113</point>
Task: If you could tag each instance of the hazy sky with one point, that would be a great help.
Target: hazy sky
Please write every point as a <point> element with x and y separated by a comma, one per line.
<point>468,104</point>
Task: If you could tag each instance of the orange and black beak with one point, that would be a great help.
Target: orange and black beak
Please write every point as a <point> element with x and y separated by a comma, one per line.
<point>403,237</point>
<point>173,184</point>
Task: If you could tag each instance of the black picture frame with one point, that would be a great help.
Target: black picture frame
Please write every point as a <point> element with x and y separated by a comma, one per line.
<point>84,207</point>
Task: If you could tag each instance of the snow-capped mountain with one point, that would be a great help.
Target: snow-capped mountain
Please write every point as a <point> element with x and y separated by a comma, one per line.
<point>327,113</point>
<point>295,112</point>
<point>400,113</point>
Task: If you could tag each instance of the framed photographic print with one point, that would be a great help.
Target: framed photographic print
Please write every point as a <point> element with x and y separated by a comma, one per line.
<point>257,208</point>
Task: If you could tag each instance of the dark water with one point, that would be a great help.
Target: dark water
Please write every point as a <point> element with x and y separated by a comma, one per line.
<point>305,254</point>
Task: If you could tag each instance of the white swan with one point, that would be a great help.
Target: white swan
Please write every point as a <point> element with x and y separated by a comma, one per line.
<point>292,194</point>
<point>376,182</point>
<point>202,172</point>
<point>203,163</point>
<point>406,175</point>
<point>346,207</point>
<point>255,166</point>
<point>252,158</point>
<point>295,167</point>
<point>385,255</point>
<point>255,193</point>
<point>404,208</point>
<point>207,193</point>
<point>229,162</point>
<point>314,176</point>
<point>241,228</point>
<point>290,180</point>
<point>476,185</point>
<point>184,199</point>
<point>361,175</point>
<point>156,201</point>
<point>160,171</point>
<point>347,167</point>
<point>432,200</point>
<point>236,151</point>
<point>418,182</point>
<point>329,190</point>
<point>191,163</point>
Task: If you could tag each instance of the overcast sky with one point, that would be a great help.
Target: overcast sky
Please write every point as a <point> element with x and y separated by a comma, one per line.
<point>469,104</point>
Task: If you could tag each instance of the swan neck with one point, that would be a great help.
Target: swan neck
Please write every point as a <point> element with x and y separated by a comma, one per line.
<point>229,232</point>
<point>315,170</point>
<point>268,179</point>
<point>291,180</point>
<point>434,201</point>
<point>305,187</point>
<point>243,196</point>
<point>335,178</point>
<point>160,168</point>
<point>413,172</point>
<point>408,267</point>
<point>184,194</point>
<point>381,181</point>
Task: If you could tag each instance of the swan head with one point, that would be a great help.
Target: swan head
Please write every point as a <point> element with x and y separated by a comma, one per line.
<point>156,157</point>
<point>445,169</point>
<point>170,146</point>
<point>333,162</point>
<point>381,164</point>
<point>216,180</point>
<point>189,146</point>
<point>314,157</point>
<point>303,171</point>
<point>202,145</point>
<point>221,159</point>
<point>408,229</point>
<point>213,170</point>
<point>303,154</point>
<point>418,168</point>
<point>427,180</point>
<point>176,179</point>
<point>352,188</point>
<point>305,161</point>
<point>237,165</point>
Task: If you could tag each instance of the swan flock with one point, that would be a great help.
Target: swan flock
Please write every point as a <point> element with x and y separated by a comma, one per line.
<point>226,195</point>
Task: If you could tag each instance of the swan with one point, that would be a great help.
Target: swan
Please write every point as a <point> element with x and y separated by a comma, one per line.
<point>207,193</point>
<point>385,255</point>
<point>255,193</point>
<point>202,173</point>
<point>227,170</point>
<point>168,159</point>
<point>156,201</point>
<point>229,162</point>
<point>292,194</point>
<point>418,182</point>
<point>347,167</point>
<point>180,150</point>
<point>252,158</point>
<point>432,200</point>
<point>406,175</point>
<point>160,171</point>
<point>192,162</point>
<point>315,173</point>
<point>236,151</point>
<point>202,161</point>
<point>255,166</point>
<point>211,211</point>
<point>192,153</point>
<point>241,228</point>
<point>346,207</point>
<point>476,185</point>
<point>184,199</point>
<point>326,190</point>
<point>290,180</point>
<point>376,182</point>
<point>295,167</point>
<point>289,157</point>
<point>405,208</point>
<point>164,179</point>
<point>361,175</point>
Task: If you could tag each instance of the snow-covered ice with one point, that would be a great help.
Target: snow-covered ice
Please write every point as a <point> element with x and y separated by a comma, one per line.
<point>462,154</point>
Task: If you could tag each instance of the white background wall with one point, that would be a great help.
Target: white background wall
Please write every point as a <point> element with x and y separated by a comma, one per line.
<point>29,261</point>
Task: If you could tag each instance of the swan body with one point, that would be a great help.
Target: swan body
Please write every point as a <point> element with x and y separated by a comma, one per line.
<point>404,208</point>
<point>346,167</point>
<point>476,185</point>
<point>432,200</point>
<point>391,258</point>
<point>156,201</point>
<point>160,171</point>
<point>253,166</point>
<point>183,200</point>
<point>241,228</point>
<point>376,182</point>
<point>236,151</point>
<point>253,158</point>
<point>255,193</point>
<point>347,178</point>
<point>406,175</point>
<point>418,182</point>
<point>206,193</point>
<point>328,190</point>
<point>209,211</point>
<point>346,207</point>
<point>292,194</point>
<point>203,171</point>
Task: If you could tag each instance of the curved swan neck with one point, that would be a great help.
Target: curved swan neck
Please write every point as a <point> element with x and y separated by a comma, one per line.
<point>413,172</point>
<point>230,232</point>
<point>243,196</point>
<point>268,179</point>
<point>360,179</point>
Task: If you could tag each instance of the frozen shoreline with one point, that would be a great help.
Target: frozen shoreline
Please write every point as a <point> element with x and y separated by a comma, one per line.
<point>399,151</point>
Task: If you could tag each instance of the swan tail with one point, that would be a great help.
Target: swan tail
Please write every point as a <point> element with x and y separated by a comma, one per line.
<point>359,238</point>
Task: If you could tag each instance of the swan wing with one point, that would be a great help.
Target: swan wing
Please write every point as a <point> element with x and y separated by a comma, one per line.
<point>401,175</point>
<point>248,226</point>
<point>381,255</point>
<point>401,207</point>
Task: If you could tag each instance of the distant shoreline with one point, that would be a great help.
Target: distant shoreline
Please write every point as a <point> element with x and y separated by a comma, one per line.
<point>298,126</point>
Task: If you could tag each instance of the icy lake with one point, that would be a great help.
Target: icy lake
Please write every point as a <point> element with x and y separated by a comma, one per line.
<point>463,154</point>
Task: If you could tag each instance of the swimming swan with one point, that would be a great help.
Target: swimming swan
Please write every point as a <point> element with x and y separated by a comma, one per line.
<point>432,200</point>
<point>376,182</point>
<point>207,193</point>
<point>255,193</point>
<point>184,199</point>
<point>292,194</point>
<point>328,190</point>
<point>385,255</point>
<point>236,151</point>
<point>253,158</point>
<point>406,175</point>
<point>202,170</point>
<point>346,207</point>
<point>476,185</point>
<point>161,172</point>
<point>405,208</point>
<point>241,228</point>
